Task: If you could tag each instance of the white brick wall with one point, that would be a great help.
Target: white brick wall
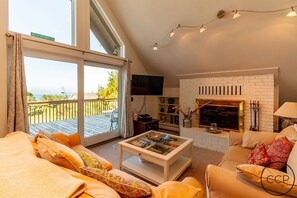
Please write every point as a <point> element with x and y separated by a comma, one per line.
<point>253,87</point>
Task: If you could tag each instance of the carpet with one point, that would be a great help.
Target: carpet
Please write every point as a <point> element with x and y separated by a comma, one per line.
<point>201,158</point>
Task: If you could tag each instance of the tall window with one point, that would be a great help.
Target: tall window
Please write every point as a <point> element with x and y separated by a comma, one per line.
<point>70,88</point>
<point>52,18</point>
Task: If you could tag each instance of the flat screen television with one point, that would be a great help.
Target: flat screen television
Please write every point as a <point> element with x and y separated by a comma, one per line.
<point>146,85</point>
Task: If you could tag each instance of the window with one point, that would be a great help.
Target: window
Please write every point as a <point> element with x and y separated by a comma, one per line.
<point>101,34</point>
<point>63,81</point>
<point>53,18</point>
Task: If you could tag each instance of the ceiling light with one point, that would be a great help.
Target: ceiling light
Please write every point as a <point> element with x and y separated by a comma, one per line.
<point>236,14</point>
<point>155,48</point>
<point>292,13</point>
<point>202,28</point>
<point>172,33</point>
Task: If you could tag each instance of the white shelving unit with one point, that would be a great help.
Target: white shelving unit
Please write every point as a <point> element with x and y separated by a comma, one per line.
<point>169,118</point>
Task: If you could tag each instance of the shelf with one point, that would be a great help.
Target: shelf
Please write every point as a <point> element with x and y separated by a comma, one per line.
<point>168,124</point>
<point>174,114</point>
<point>167,104</point>
<point>154,173</point>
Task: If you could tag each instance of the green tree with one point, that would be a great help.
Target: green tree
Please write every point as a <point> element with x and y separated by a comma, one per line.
<point>30,97</point>
<point>52,97</point>
<point>111,91</point>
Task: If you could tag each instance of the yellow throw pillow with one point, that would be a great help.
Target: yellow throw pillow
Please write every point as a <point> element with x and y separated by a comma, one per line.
<point>89,160</point>
<point>175,189</point>
<point>273,181</point>
<point>127,187</point>
<point>59,154</point>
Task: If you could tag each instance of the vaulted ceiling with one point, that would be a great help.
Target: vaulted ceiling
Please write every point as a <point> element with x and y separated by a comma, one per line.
<point>251,41</point>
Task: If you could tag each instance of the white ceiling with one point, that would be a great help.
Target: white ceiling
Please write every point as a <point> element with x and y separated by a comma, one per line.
<point>248,42</point>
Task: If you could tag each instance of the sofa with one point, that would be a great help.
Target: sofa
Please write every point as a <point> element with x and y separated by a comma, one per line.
<point>226,180</point>
<point>36,167</point>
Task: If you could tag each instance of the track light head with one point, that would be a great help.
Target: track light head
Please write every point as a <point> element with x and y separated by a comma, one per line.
<point>155,48</point>
<point>202,28</point>
<point>292,13</point>
<point>236,14</point>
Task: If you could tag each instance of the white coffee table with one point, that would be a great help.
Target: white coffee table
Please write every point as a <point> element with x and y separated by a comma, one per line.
<point>155,167</point>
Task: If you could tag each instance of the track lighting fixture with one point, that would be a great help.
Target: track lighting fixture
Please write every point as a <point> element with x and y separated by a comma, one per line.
<point>292,13</point>
<point>155,48</point>
<point>236,14</point>
<point>172,33</point>
<point>222,13</point>
<point>202,28</point>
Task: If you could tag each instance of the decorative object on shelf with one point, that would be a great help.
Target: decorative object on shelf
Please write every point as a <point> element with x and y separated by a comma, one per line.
<point>254,115</point>
<point>287,111</point>
<point>162,110</point>
<point>171,109</point>
<point>170,100</point>
<point>221,14</point>
<point>213,128</point>
<point>162,99</point>
<point>187,120</point>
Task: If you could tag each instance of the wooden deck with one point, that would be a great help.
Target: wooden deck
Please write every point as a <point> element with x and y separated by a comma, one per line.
<point>93,125</point>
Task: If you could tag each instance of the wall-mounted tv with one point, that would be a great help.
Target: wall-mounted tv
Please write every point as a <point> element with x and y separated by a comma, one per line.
<point>146,85</point>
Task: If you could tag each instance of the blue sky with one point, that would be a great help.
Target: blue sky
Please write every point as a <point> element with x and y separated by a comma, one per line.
<point>52,18</point>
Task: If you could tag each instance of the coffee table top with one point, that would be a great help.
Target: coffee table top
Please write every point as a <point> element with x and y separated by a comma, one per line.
<point>156,142</point>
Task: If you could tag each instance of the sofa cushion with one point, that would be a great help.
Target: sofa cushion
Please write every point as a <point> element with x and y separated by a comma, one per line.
<point>289,132</point>
<point>127,187</point>
<point>251,138</point>
<point>237,154</point>
<point>292,161</point>
<point>278,152</point>
<point>258,156</point>
<point>59,154</point>
<point>230,165</point>
<point>270,179</point>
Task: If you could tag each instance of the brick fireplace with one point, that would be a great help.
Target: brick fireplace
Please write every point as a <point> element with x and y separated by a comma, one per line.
<point>238,86</point>
<point>230,89</point>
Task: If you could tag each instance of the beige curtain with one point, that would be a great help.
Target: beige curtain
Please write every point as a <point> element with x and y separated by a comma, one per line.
<point>17,102</point>
<point>126,117</point>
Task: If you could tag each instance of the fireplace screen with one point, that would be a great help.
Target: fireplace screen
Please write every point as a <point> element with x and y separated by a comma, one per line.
<point>225,117</point>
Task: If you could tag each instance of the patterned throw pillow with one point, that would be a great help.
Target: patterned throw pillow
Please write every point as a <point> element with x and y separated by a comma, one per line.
<point>278,152</point>
<point>59,154</point>
<point>42,134</point>
<point>131,188</point>
<point>258,156</point>
<point>89,160</point>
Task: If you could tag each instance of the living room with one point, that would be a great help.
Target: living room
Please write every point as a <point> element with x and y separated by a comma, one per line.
<point>201,49</point>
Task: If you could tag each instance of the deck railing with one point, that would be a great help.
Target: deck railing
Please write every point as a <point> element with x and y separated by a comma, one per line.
<point>50,111</point>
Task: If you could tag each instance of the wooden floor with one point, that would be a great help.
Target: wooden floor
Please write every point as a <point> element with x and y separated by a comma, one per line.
<point>93,125</point>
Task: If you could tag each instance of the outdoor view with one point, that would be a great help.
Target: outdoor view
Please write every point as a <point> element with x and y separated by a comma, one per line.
<point>52,86</point>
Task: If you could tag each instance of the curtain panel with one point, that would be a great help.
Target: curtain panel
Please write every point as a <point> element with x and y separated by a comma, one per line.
<point>17,100</point>
<point>126,117</point>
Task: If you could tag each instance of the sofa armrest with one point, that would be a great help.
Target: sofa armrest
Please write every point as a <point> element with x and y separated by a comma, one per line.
<point>224,183</point>
<point>235,138</point>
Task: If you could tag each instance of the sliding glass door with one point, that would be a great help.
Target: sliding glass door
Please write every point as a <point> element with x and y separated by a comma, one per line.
<point>51,87</point>
<point>101,110</point>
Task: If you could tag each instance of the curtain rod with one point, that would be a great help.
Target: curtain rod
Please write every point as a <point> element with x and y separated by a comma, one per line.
<point>8,34</point>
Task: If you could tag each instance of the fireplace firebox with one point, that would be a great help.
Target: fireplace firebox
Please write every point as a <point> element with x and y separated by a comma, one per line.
<point>227,114</point>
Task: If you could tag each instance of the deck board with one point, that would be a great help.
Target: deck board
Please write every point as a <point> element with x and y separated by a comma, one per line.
<point>93,125</point>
